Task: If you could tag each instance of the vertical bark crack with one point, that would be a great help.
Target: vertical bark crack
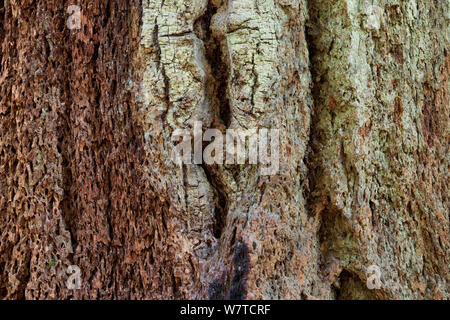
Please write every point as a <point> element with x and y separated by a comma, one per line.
<point>217,95</point>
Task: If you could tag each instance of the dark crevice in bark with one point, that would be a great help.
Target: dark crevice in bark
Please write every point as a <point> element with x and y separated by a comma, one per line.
<point>241,261</point>
<point>221,205</point>
<point>335,235</point>
<point>217,88</point>
<point>216,290</point>
<point>316,201</point>
<point>351,287</point>
<point>217,96</point>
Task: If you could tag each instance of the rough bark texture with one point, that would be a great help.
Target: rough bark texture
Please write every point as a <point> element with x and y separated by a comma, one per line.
<point>358,89</point>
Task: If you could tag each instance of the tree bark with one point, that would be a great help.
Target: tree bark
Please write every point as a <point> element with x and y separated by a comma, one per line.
<point>358,89</point>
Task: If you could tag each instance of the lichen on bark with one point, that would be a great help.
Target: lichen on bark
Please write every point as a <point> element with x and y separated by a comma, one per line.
<point>358,90</point>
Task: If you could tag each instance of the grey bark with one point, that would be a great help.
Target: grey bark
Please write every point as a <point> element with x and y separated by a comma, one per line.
<point>358,89</point>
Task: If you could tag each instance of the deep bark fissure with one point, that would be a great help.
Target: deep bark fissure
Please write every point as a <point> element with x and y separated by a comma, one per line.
<point>351,287</point>
<point>217,61</point>
<point>216,94</point>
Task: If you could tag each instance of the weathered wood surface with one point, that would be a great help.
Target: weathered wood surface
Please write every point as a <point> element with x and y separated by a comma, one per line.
<point>358,89</point>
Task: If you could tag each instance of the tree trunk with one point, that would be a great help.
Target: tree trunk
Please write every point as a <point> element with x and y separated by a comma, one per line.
<point>358,90</point>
